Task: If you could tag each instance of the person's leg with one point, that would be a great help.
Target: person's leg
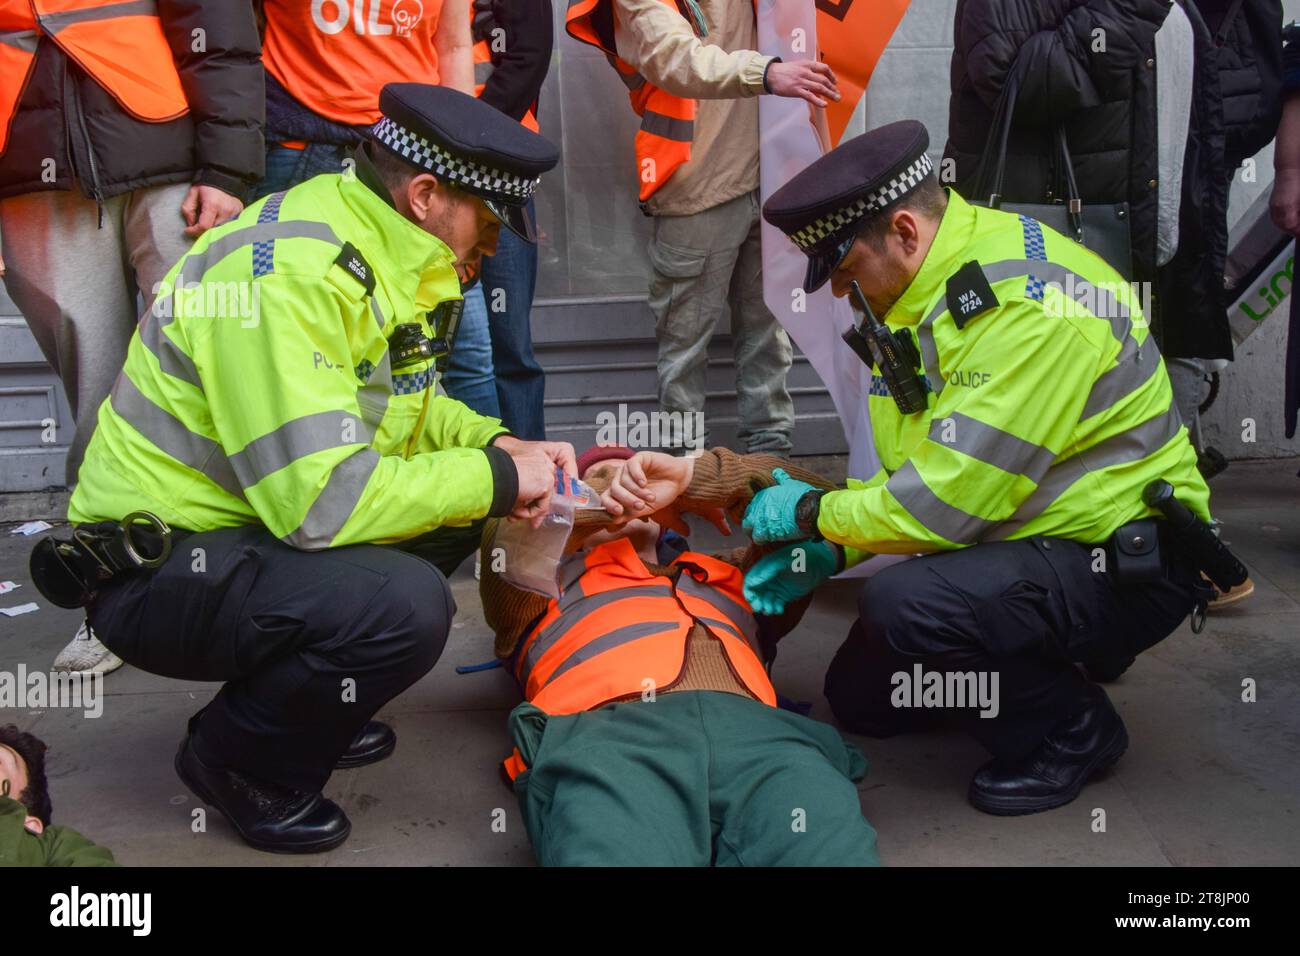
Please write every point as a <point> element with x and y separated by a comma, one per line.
<point>692,258</point>
<point>624,785</point>
<point>71,280</point>
<point>446,548</point>
<point>287,167</point>
<point>994,609</point>
<point>509,278</point>
<point>782,788</point>
<point>1187,379</point>
<point>763,353</point>
<point>860,682</point>
<point>284,168</point>
<point>155,235</point>
<point>469,377</point>
<point>310,644</point>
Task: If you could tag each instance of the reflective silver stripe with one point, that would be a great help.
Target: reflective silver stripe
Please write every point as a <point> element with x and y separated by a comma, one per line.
<point>171,359</point>
<point>657,124</point>
<point>297,439</point>
<point>1134,367</point>
<point>607,642</point>
<point>54,22</point>
<point>24,40</point>
<point>1120,324</point>
<point>727,626</point>
<point>170,435</point>
<point>633,81</point>
<point>992,446</point>
<point>1129,446</point>
<point>376,312</point>
<point>933,512</point>
<point>482,71</point>
<point>728,608</point>
<point>578,610</point>
<point>336,502</point>
<point>571,570</point>
<point>218,249</point>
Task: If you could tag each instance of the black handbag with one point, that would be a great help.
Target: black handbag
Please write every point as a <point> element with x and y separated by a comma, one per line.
<point>1102,227</point>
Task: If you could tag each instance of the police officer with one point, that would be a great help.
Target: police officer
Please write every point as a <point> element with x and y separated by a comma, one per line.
<point>278,411</point>
<point>1019,409</point>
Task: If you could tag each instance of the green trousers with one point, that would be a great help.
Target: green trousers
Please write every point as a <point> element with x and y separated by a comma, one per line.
<point>695,778</point>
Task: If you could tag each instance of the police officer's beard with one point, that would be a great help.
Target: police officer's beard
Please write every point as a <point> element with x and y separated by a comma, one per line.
<point>892,280</point>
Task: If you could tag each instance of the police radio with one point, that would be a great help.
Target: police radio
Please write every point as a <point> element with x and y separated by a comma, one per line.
<point>893,353</point>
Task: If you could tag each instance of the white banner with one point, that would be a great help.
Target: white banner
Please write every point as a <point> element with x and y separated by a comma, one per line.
<point>789,141</point>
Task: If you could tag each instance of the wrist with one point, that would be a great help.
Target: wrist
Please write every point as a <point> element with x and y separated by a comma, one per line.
<point>806,513</point>
<point>767,87</point>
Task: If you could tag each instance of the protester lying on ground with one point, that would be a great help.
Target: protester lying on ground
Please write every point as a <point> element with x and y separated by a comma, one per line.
<point>26,837</point>
<point>650,732</point>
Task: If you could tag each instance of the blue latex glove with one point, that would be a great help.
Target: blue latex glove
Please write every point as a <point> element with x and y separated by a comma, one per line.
<point>773,582</point>
<point>770,516</point>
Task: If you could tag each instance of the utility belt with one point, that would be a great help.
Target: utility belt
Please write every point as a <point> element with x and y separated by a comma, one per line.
<point>1138,551</point>
<point>70,571</point>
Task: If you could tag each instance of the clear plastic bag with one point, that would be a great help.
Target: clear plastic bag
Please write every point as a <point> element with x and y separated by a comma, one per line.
<point>532,556</point>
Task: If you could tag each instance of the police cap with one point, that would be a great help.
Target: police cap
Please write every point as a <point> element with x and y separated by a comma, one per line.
<point>461,139</point>
<point>823,208</point>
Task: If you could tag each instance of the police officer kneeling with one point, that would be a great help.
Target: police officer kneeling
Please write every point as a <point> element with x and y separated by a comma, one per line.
<point>1020,409</point>
<point>320,490</point>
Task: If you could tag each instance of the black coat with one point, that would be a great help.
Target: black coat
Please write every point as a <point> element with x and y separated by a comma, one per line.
<point>64,115</point>
<point>1236,107</point>
<point>1106,99</point>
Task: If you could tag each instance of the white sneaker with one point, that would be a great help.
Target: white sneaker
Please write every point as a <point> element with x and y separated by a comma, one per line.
<point>86,655</point>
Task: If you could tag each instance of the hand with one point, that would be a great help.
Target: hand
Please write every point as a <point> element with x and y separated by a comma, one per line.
<point>560,453</point>
<point>536,475</point>
<point>207,206</point>
<point>647,482</point>
<point>771,515</point>
<point>810,80</point>
<point>1284,203</point>
<point>788,574</point>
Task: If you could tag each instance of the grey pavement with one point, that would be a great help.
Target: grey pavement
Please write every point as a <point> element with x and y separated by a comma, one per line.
<point>1208,779</point>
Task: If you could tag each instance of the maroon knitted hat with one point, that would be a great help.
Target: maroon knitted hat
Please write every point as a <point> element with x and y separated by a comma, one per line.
<point>599,453</point>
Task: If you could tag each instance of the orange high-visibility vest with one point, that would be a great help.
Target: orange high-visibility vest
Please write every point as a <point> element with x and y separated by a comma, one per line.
<point>667,122</point>
<point>483,69</point>
<point>120,43</point>
<point>616,625</point>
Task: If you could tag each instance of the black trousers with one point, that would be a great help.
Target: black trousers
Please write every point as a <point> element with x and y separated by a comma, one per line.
<point>1027,610</point>
<point>310,644</point>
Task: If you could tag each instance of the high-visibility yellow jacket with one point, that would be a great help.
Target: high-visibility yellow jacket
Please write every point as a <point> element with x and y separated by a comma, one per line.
<point>259,388</point>
<point>1049,409</point>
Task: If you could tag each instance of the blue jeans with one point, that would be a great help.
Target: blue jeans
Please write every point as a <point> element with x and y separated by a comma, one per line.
<point>509,278</point>
<point>469,377</point>
<point>287,167</point>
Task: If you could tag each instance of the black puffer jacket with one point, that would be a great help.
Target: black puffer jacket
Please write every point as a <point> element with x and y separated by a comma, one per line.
<point>1090,64</point>
<point>1086,63</point>
<point>1236,107</point>
<point>66,116</point>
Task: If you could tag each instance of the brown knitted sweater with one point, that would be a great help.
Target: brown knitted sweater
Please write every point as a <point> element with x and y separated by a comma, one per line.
<point>721,479</point>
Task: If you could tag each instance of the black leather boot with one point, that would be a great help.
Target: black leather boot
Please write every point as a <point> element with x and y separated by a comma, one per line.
<point>267,816</point>
<point>1058,768</point>
<point>373,742</point>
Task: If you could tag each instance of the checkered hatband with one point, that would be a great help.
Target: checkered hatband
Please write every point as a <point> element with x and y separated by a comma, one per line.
<point>472,176</point>
<point>898,187</point>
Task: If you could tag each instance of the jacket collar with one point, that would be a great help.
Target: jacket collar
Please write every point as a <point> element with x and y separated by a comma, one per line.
<point>951,242</point>
<point>416,268</point>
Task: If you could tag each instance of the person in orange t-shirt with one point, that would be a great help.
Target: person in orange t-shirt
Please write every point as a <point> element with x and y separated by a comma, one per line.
<point>326,61</point>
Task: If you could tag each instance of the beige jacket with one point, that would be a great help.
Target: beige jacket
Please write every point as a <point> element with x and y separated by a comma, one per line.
<point>722,71</point>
